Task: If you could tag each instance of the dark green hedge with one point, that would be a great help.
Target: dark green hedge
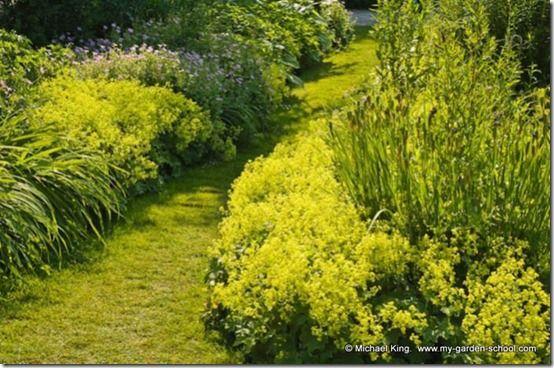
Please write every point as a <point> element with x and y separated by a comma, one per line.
<point>44,20</point>
<point>360,4</point>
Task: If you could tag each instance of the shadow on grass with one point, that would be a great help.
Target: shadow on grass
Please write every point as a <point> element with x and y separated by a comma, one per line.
<point>325,70</point>
<point>214,178</point>
<point>285,123</point>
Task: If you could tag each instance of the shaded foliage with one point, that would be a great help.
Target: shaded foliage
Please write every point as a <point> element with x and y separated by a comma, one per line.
<point>51,196</point>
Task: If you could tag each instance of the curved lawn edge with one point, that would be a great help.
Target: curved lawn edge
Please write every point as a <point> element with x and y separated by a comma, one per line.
<point>142,298</point>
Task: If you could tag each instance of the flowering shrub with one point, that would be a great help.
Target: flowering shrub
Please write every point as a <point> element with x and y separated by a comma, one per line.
<point>229,84</point>
<point>149,132</point>
<point>243,92</point>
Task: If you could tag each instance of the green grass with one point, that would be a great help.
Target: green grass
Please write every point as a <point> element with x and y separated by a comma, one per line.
<point>140,298</point>
<point>325,84</point>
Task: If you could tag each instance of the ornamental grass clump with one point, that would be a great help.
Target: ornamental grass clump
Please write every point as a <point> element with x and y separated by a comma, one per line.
<point>52,197</point>
<point>442,139</point>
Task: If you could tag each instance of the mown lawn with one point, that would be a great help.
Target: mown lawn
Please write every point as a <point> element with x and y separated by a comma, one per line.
<point>140,299</point>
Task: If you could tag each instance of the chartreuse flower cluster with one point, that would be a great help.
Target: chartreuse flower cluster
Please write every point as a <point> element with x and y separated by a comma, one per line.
<point>509,308</point>
<point>177,83</point>
<point>297,274</point>
<point>421,219</point>
<point>295,269</point>
<point>142,130</point>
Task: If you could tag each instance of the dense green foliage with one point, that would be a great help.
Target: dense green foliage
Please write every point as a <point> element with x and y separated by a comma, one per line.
<point>421,218</point>
<point>525,25</point>
<point>360,4</point>
<point>439,154</point>
<point>45,20</point>
<point>21,67</point>
<point>51,196</point>
<point>143,88</point>
<point>148,132</point>
<point>291,32</point>
<point>295,31</point>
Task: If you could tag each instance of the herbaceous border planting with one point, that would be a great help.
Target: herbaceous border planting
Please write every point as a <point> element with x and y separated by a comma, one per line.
<point>275,181</point>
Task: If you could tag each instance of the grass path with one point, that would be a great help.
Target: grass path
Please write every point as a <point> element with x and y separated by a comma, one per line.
<point>140,298</point>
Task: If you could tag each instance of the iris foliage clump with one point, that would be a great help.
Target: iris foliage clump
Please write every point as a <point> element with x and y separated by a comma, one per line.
<point>52,196</point>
